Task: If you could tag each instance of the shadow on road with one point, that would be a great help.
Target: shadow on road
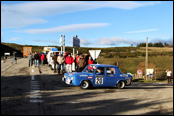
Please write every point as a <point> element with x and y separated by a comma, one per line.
<point>62,99</point>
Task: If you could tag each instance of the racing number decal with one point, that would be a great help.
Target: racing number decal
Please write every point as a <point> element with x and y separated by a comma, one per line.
<point>99,80</point>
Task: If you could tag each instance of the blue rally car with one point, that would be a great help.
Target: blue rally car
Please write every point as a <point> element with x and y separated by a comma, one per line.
<point>98,75</point>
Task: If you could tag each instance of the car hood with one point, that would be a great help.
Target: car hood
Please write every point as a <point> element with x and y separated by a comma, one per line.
<point>125,75</point>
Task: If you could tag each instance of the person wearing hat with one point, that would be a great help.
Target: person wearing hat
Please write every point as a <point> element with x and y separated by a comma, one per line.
<point>169,75</point>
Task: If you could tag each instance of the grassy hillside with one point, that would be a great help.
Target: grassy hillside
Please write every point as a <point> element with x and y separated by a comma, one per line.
<point>131,65</point>
<point>160,58</point>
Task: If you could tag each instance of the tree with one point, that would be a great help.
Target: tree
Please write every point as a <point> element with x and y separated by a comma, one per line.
<point>166,44</point>
<point>158,44</point>
<point>141,45</point>
<point>150,44</point>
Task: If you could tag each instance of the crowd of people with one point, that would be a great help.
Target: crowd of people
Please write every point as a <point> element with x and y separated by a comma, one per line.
<point>63,63</point>
<point>66,61</point>
<point>35,58</point>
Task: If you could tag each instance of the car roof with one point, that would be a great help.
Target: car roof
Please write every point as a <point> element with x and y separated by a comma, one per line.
<point>53,51</point>
<point>104,65</point>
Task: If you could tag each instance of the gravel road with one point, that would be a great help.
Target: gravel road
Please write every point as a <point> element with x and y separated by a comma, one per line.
<point>38,91</point>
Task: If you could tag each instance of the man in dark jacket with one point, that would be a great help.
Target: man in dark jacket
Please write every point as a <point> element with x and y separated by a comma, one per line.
<point>81,63</point>
<point>55,61</point>
<point>36,59</point>
<point>86,59</point>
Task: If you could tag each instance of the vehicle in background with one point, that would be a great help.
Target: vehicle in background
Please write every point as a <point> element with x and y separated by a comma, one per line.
<point>98,75</point>
<point>26,51</point>
<point>47,49</point>
<point>50,59</point>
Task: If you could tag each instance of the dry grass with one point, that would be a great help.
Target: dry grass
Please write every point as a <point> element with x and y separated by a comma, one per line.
<point>162,63</point>
<point>155,49</point>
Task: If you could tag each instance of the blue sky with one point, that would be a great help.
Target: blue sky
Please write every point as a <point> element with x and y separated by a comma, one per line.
<point>97,23</point>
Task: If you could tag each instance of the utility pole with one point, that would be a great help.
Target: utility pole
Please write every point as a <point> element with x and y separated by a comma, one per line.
<point>63,44</point>
<point>146,57</point>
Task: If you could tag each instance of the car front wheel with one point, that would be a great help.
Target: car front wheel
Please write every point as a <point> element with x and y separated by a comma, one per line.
<point>85,85</point>
<point>120,85</point>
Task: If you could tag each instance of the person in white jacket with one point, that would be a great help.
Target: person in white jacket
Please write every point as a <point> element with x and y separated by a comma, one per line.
<point>169,75</point>
<point>61,60</point>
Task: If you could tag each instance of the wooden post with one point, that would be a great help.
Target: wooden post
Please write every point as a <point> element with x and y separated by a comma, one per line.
<point>146,64</point>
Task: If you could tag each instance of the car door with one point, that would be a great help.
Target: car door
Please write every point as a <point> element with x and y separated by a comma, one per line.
<point>111,76</point>
<point>99,78</point>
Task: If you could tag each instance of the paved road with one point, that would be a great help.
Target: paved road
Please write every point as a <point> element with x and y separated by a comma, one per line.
<point>38,91</point>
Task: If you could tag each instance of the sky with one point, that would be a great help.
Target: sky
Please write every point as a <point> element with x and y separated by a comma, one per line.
<point>96,23</point>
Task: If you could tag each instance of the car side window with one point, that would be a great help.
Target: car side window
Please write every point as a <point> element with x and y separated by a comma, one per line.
<point>100,71</point>
<point>110,71</point>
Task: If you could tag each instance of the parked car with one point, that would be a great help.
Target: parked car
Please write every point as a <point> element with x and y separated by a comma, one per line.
<point>98,75</point>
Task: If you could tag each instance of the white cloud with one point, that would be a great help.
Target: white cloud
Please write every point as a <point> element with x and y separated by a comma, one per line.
<point>47,41</point>
<point>23,14</point>
<point>141,31</point>
<point>116,41</point>
<point>84,42</point>
<point>14,39</point>
<point>169,41</point>
<point>66,28</point>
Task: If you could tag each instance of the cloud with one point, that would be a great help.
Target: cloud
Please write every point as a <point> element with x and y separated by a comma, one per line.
<point>14,39</point>
<point>84,42</point>
<point>66,28</point>
<point>141,31</point>
<point>169,41</point>
<point>115,41</point>
<point>24,14</point>
<point>47,41</point>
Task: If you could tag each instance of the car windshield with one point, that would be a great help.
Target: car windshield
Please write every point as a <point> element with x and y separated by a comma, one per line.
<point>90,69</point>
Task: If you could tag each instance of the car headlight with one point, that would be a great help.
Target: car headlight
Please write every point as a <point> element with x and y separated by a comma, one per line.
<point>72,78</point>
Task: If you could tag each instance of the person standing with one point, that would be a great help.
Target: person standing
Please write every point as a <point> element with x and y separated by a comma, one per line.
<point>42,58</point>
<point>69,60</point>
<point>65,55</point>
<point>15,57</point>
<point>36,59</point>
<point>81,63</point>
<point>76,62</point>
<point>30,59</point>
<point>55,61</point>
<point>61,60</point>
<point>90,61</point>
<point>169,75</point>
<point>86,59</point>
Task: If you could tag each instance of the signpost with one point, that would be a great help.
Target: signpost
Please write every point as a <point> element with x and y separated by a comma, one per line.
<point>54,49</point>
<point>139,72</point>
<point>62,43</point>
<point>94,53</point>
<point>76,43</point>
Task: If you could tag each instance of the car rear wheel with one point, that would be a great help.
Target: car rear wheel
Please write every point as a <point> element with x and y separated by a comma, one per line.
<point>120,85</point>
<point>85,85</point>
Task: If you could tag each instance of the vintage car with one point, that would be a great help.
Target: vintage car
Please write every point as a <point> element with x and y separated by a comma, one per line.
<point>98,75</point>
